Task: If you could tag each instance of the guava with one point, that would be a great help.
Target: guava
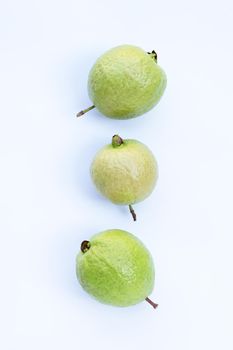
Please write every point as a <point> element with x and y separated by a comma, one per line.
<point>116,268</point>
<point>125,172</point>
<point>125,82</point>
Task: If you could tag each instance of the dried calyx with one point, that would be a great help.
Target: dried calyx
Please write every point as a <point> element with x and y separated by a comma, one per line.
<point>117,141</point>
<point>153,55</point>
<point>85,246</point>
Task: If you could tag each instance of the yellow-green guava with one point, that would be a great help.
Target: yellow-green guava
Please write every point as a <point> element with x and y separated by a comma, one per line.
<point>125,82</point>
<point>116,268</point>
<point>124,171</point>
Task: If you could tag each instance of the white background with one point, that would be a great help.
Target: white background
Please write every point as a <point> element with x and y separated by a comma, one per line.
<point>48,204</point>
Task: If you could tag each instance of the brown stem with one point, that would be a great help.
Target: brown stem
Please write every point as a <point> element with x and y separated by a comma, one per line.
<point>151,303</point>
<point>132,212</point>
<point>84,111</point>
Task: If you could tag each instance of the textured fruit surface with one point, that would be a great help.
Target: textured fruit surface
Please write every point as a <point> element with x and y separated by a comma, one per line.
<point>126,174</point>
<point>126,82</point>
<point>117,269</point>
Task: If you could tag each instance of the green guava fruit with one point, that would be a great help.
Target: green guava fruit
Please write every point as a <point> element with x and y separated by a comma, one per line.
<point>125,172</point>
<point>125,82</point>
<point>116,268</point>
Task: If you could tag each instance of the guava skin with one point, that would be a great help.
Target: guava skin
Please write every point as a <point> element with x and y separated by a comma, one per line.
<point>117,269</point>
<point>126,174</point>
<point>126,82</point>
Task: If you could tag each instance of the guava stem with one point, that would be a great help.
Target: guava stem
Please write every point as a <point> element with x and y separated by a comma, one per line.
<point>84,111</point>
<point>151,303</point>
<point>132,212</point>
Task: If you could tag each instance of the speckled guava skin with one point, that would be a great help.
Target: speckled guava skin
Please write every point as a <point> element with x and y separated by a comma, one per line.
<point>117,269</point>
<point>126,82</point>
<point>126,174</point>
